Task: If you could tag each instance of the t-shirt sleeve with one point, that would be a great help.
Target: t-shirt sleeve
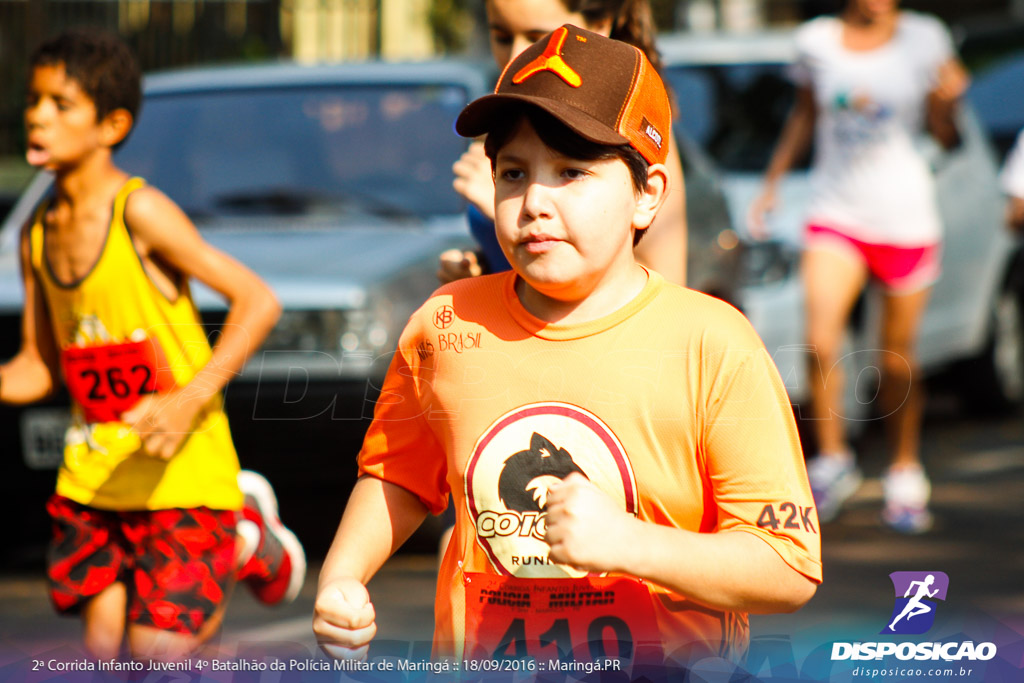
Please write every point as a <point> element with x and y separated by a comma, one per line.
<point>1011,179</point>
<point>805,38</point>
<point>753,458</point>
<point>934,46</point>
<point>400,447</point>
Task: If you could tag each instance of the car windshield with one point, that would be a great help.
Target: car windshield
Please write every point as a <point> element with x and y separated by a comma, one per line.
<point>734,111</point>
<point>302,151</point>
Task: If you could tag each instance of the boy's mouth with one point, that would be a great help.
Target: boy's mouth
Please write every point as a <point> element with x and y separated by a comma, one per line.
<point>36,154</point>
<point>539,244</point>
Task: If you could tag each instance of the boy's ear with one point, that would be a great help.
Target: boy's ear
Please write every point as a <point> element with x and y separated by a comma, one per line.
<point>115,126</point>
<point>652,197</point>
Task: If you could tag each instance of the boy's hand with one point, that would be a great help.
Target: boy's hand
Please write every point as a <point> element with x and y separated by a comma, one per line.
<point>586,529</point>
<point>344,620</point>
<point>456,264</point>
<point>757,213</point>
<point>474,179</point>
<point>952,81</point>
<point>1015,214</point>
<point>163,421</point>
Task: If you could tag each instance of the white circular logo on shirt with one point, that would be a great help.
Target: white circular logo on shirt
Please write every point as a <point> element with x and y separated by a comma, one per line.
<point>514,464</point>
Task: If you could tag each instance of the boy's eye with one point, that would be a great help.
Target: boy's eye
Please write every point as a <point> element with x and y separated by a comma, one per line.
<point>511,174</point>
<point>501,38</point>
<point>574,173</point>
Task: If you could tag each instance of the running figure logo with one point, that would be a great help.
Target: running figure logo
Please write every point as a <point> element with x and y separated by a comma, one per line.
<point>914,612</point>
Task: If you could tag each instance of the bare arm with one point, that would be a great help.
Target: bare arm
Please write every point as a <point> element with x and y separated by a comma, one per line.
<point>943,102</point>
<point>663,248</point>
<point>1015,214</point>
<point>794,141</point>
<point>32,374</point>
<point>379,517</point>
<point>167,233</point>
<point>731,570</point>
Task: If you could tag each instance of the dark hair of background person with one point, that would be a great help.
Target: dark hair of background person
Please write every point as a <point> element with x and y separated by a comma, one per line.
<point>632,22</point>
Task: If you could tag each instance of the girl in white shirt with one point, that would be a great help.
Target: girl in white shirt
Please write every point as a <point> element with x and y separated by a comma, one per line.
<point>869,80</point>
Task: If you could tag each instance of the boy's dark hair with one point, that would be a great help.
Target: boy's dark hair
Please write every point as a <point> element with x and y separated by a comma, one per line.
<point>103,66</point>
<point>559,137</point>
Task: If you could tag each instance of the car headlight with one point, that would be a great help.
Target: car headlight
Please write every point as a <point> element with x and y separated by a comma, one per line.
<point>353,339</point>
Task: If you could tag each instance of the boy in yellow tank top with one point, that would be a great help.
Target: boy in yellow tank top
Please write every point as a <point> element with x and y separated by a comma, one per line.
<point>151,525</point>
<point>620,451</point>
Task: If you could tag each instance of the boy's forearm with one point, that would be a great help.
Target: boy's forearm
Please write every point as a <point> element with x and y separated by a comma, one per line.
<point>378,519</point>
<point>1015,213</point>
<point>942,123</point>
<point>731,570</point>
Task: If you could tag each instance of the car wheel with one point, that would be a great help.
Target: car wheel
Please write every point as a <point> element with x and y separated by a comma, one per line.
<point>994,382</point>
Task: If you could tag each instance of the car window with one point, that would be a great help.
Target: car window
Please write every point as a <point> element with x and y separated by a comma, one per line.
<point>734,111</point>
<point>366,149</point>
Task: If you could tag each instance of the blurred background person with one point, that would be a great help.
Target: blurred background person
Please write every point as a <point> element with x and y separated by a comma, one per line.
<point>513,25</point>
<point>869,79</point>
<point>1012,181</point>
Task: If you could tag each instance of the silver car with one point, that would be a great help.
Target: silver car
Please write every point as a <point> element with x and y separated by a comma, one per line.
<point>735,96</point>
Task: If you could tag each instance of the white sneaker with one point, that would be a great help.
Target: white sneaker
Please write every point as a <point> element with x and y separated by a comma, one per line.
<point>907,491</point>
<point>276,563</point>
<point>834,478</point>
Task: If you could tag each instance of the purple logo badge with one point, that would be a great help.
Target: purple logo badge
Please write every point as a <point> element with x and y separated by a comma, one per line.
<point>916,593</point>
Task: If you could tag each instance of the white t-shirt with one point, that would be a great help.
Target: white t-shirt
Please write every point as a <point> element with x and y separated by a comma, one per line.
<point>868,179</point>
<point>1011,179</point>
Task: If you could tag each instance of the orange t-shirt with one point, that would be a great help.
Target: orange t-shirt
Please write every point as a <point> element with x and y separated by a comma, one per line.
<point>671,405</point>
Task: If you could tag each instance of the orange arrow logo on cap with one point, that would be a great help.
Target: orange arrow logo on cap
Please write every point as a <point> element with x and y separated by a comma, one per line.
<point>551,60</point>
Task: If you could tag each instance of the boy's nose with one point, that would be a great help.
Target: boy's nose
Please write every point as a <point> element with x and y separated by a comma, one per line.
<point>537,200</point>
<point>35,114</point>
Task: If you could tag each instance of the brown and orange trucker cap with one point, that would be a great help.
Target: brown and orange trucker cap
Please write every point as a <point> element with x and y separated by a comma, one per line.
<point>603,89</point>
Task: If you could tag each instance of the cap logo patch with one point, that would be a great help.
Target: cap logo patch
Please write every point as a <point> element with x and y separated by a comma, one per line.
<point>650,131</point>
<point>551,60</point>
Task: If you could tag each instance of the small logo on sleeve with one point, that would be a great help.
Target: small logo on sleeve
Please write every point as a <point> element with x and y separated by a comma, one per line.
<point>444,316</point>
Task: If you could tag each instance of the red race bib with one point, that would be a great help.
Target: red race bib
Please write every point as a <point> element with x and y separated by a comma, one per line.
<point>108,379</point>
<point>585,619</point>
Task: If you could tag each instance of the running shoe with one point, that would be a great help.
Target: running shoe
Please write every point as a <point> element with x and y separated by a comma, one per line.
<point>273,563</point>
<point>834,478</point>
<point>907,491</point>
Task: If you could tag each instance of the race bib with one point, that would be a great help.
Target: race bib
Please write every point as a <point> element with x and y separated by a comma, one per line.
<point>108,379</point>
<point>584,620</point>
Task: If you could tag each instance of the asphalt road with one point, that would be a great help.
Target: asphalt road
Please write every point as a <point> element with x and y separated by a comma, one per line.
<point>977,469</point>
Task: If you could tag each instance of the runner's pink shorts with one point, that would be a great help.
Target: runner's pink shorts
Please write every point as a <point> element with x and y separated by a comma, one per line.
<point>899,269</point>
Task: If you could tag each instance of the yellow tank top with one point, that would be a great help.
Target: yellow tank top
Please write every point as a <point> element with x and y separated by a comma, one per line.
<point>119,338</point>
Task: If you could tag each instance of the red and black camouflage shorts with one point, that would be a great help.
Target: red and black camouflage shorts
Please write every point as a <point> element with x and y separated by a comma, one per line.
<point>177,564</point>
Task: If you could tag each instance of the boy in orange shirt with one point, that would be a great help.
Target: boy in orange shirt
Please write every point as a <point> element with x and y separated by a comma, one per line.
<point>622,456</point>
<point>152,519</point>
